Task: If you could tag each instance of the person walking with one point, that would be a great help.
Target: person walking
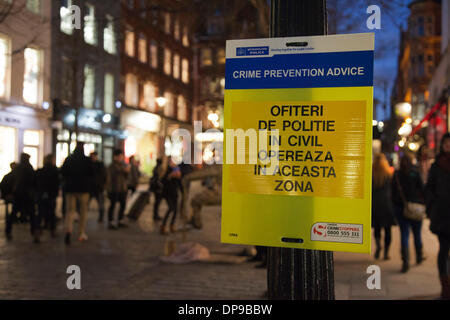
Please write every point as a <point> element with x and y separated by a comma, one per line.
<point>438,210</point>
<point>135,174</point>
<point>24,194</point>
<point>7,191</point>
<point>156,187</point>
<point>77,171</point>
<point>407,186</point>
<point>98,185</point>
<point>117,187</point>
<point>47,191</point>
<point>171,184</point>
<point>383,217</point>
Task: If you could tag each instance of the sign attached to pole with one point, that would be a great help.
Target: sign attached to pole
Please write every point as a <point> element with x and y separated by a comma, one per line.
<point>298,142</point>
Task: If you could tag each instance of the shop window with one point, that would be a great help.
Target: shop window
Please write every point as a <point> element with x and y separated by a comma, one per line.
<point>221,56</point>
<point>129,43</point>
<point>31,83</point>
<point>109,93</point>
<point>131,90</point>
<point>65,14</point>
<point>32,141</point>
<point>89,87</point>
<point>4,66</point>
<point>7,149</point>
<point>182,109</point>
<point>142,48</point>
<point>185,71</point>
<point>176,66</point>
<point>62,152</point>
<point>90,32</point>
<point>154,54</point>
<point>206,57</point>
<point>109,36</point>
<point>167,61</point>
<point>34,6</point>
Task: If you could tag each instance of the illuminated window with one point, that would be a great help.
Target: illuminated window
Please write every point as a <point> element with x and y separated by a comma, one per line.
<point>167,23</point>
<point>142,49</point>
<point>129,43</point>
<point>131,90</point>
<point>185,71</point>
<point>31,83</point>
<point>167,61</point>
<point>154,54</point>
<point>182,109</point>
<point>4,66</point>
<point>7,149</point>
<point>34,6</point>
<point>185,36</point>
<point>176,31</point>
<point>90,32</point>
<point>89,87</point>
<point>109,93</point>
<point>206,58</point>
<point>221,56</point>
<point>169,108</point>
<point>176,66</point>
<point>32,141</point>
<point>109,37</point>
<point>66,25</point>
<point>149,96</point>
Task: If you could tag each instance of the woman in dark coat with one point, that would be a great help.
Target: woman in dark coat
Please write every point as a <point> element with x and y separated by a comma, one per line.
<point>172,183</point>
<point>438,209</point>
<point>382,209</point>
<point>407,186</point>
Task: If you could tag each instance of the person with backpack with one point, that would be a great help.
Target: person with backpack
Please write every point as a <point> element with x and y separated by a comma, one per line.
<point>156,187</point>
<point>6,189</point>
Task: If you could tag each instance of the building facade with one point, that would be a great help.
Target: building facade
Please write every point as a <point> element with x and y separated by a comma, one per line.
<point>85,77</point>
<point>156,73</point>
<point>25,56</point>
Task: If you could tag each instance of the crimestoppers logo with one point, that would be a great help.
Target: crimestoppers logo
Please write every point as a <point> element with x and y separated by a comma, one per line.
<point>337,232</point>
<point>320,230</point>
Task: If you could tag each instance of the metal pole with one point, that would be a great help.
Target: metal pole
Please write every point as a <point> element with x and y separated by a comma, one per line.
<point>297,274</point>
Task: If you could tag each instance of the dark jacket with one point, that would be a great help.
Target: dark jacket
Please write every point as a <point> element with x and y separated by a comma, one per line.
<point>47,182</point>
<point>382,208</point>
<point>438,199</point>
<point>171,185</point>
<point>117,178</point>
<point>25,182</point>
<point>7,186</point>
<point>77,173</point>
<point>411,186</point>
<point>98,178</point>
<point>134,176</point>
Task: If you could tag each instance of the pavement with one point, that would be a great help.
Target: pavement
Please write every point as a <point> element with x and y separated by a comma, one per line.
<point>126,264</point>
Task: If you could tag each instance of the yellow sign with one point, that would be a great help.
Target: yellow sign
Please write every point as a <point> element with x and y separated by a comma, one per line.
<point>297,149</point>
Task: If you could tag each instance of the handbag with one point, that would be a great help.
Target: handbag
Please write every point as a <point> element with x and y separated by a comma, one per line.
<point>411,210</point>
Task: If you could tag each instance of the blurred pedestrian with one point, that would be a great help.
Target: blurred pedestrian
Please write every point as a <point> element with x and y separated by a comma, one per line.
<point>156,187</point>
<point>7,191</point>
<point>135,174</point>
<point>407,186</point>
<point>117,187</point>
<point>171,185</point>
<point>77,173</point>
<point>98,185</point>
<point>383,217</point>
<point>210,195</point>
<point>47,191</point>
<point>424,162</point>
<point>438,209</point>
<point>24,193</point>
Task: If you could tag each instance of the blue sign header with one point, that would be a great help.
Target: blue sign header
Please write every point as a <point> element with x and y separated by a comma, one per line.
<point>306,70</point>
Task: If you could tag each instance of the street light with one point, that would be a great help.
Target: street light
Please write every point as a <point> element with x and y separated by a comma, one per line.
<point>161,101</point>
